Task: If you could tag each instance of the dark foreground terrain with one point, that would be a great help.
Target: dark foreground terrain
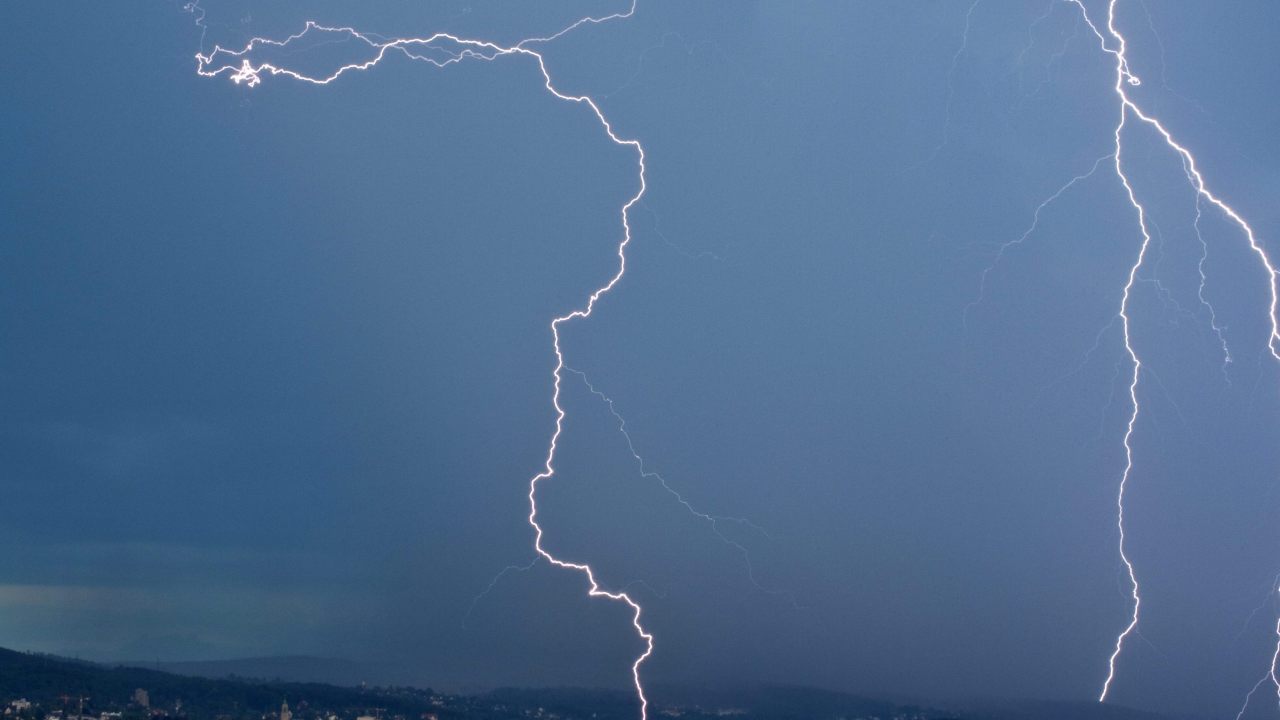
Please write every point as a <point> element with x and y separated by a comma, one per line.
<point>62,689</point>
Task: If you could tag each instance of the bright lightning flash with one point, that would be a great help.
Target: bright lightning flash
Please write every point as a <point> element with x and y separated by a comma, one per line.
<point>1114,44</point>
<point>440,50</point>
<point>1271,675</point>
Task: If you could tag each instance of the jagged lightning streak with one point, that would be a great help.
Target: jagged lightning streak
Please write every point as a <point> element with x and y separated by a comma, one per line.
<point>1133,416</point>
<point>1124,76</point>
<point>1046,73</point>
<point>951,89</point>
<point>1218,330</point>
<point>1271,675</point>
<point>1272,592</point>
<point>713,521</point>
<point>1275,661</point>
<point>1035,223</point>
<point>241,69</point>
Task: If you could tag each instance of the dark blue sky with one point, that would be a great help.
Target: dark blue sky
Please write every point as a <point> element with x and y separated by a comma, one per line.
<point>275,364</point>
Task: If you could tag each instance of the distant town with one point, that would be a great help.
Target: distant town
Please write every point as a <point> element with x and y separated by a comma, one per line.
<point>138,707</point>
<point>44,687</point>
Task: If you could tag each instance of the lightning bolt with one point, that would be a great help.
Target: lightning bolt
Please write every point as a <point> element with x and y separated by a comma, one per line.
<point>1035,223</point>
<point>1274,668</point>
<point>1273,674</point>
<point>951,86</point>
<point>1046,73</point>
<point>1112,42</point>
<point>1116,46</point>
<point>442,49</point>
<point>712,521</point>
<point>1275,661</point>
<point>1218,330</point>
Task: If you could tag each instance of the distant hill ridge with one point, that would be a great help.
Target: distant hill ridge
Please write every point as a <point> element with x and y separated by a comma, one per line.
<point>46,680</point>
<point>287,668</point>
<point>224,691</point>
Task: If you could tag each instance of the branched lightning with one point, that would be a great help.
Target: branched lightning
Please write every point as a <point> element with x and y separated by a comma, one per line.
<point>1273,674</point>
<point>1055,57</point>
<point>1116,46</point>
<point>1272,592</point>
<point>1035,223</point>
<point>494,583</point>
<point>1274,669</point>
<point>1275,662</point>
<point>1218,330</point>
<point>1031,29</point>
<point>1164,65</point>
<point>951,89</point>
<point>1249,696</point>
<point>1165,294</point>
<point>442,49</point>
<point>1113,43</point>
<point>713,521</point>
